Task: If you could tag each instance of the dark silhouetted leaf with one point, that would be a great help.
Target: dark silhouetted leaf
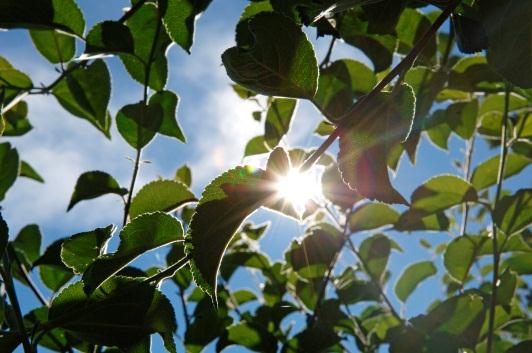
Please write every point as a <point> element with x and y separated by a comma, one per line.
<point>375,252</point>
<point>85,93</point>
<point>138,123</point>
<point>27,171</point>
<point>109,37</point>
<point>28,244</point>
<point>9,167</point>
<point>94,184</point>
<point>334,189</point>
<point>64,15</point>
<point>169,125</point>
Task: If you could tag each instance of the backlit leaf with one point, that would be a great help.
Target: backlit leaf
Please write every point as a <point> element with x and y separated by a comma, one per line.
<point>514,213</point>
<point>411,277</point>
<point>54,46</point>
<point>372,216</point>
<point>81,249</point>
<point>16,120</point>
<point>138,123</point>
<point>169,125</point>
<point>9,167</point>
<point>375,252</point>
<point>460,255</point>
<point>109,37</point>
<point>278,119</point>
<point>27,171</point>
<point>485,173</point>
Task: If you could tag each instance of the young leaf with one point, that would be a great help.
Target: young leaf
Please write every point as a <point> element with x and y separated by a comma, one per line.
<point>272,57</point>
<point>9,167</point>
<point>160,195</point>
<point>85,93</point>
<point>138,123</point>
<point>278,120</point>
<point>16,120</point>
<point>184,175</point>
<point>144,233</point>
<point>366,144</point>
<point>145,27</point>
<point>440,193</point>
<point>514,213</point>
<point>372,216</point>
<point>94,184</point>
<point>54,46</point>
<point>63,15</point>
<point>169,125</point>
<point>121,313</point>
<point>485,173</point>
<point>179,17</point>
<point>109,37</point>
<point>27,171</point>
<point>411,277</point>
<point>509,39</point>
<point>80,250</point>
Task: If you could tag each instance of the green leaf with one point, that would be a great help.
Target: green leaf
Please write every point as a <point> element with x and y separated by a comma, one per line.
<point>520,263</point>
<point>14,79</point>
<point>27,171</point>
<point>514,213</point>
<point>324,128</point>
<point>278,119</point>
<point>334,189</point>
<point>319,338</point>
<point>411,27</point>
<point>54,46</point>
<point>16,120</point>
<point>80,250</point>
<point>94,184</point>
<point>352,27</point>
<point>485,174</point>
<point>109,37</point>
<point>250,259</point>
<point>460,255</point>
<point>144,233</point>
<point>375,252</point>
<point>243,92</point>
<point>440,193</point>
<point>169,125</point>
<point>253,336</point>
<point>255,146</point>
<point>372,216</point>
<point>366,144</point>
<point>121,313</point>
<point>235,193</point>
<point>63,15</point>
<point>340,84</point>
<point>28,243</point>
<point>506,287</point>
<point>438,130</point>
<point>411,277</point>
<point>272,57</point>
<point>462,118</point>
<point>184,175</point>
<point>9,167</point>
<point>160,195</point>
<point>85,92</point>
<point>412,221</point>
<point>509,39</point>
<point>145,27</point>
<point>495,103</point>
<point>351,290</point>
<point>179,19</point>
<point>138,123</point>
<point>473,74</point>
<point>312,255</point>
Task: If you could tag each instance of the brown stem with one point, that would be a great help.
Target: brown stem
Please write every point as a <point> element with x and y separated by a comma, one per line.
<point>361,104</point>
<point>467,175</point>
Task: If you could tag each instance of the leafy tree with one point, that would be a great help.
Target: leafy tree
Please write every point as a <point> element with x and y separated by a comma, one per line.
<point>423,83</point>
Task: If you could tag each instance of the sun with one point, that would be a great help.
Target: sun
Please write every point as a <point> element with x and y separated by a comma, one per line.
<point>299,187</point>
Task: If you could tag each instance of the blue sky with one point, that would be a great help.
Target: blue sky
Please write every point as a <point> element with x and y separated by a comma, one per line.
<point>217,124</point>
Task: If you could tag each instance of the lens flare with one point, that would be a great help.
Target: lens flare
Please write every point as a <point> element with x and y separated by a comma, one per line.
<point>298,188</point>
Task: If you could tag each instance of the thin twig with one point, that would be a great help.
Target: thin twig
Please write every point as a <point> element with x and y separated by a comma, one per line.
<point>131,11</point>
<point>168,272</point>
<point>496,254</point>
<point>467,175</point>
<point>353,114</point>
<point>327,57</point>
<point>184,306</point>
